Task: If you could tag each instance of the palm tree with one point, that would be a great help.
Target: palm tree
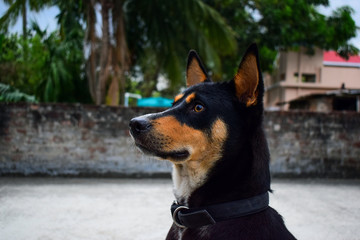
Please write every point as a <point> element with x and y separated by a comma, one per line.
<point>168,29</point>
<point>54,80</point>
<point>19,7</point>
<point>160,30</point>
<point>113,60</point>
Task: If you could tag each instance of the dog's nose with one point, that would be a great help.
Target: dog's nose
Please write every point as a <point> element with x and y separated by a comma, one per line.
<point>139,125</point>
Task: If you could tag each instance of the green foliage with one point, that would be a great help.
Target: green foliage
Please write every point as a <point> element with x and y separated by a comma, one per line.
<point>160,34</point>
<point>341,27</point>
<point>50,66</point>
<point>286,25</point>
<point>52,77</point>
<point>52,70</point>
<point>14,70</point>
<point>298,23</point>
<point>72,33</point>
<point>57,66</point>
<point>10,94</point>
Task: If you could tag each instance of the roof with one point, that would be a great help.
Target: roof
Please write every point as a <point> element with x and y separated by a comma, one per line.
<point>336,93</point>
<point>331,58</point>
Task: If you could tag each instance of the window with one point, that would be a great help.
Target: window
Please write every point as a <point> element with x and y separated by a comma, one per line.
<point>306,78</point>
<point>282,77</point>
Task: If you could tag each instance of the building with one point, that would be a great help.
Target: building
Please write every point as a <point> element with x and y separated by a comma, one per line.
<point>338,100</point>
<point>299,74</point>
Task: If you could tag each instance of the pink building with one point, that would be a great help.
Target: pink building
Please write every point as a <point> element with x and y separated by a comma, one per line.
<point>298,74</point>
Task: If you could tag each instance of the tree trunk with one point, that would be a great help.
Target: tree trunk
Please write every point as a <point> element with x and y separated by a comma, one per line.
<point>105,54</point>
<point>150,81</point>
<point>107,85</point>
<point>113,95</point>
<point>91,40</point>
<point>24,19</point>
<point>121,59</point>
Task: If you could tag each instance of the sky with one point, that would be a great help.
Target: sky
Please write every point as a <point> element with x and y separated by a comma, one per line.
<point>46,18</point>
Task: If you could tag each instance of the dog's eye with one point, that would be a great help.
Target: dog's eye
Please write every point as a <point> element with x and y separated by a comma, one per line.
<point>198,108</point>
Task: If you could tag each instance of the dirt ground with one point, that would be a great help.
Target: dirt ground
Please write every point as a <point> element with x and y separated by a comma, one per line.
<point>131,209</point>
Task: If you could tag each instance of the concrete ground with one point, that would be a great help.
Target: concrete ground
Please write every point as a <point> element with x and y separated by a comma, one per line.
<point>122,209</point>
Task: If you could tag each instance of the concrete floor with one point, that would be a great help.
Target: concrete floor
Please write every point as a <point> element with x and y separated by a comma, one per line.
<point>122,209</point>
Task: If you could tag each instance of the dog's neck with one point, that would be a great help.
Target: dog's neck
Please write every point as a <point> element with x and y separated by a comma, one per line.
<point>231,181</point>
<point>186,178</point>
<point>193,173</point>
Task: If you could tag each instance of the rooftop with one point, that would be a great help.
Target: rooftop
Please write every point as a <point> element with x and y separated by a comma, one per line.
<point>331,58</point>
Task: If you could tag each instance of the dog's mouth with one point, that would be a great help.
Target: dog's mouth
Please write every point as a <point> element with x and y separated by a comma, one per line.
<point>178,155</point>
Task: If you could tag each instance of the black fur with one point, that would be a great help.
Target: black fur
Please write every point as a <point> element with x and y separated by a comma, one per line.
<point>242,171</point>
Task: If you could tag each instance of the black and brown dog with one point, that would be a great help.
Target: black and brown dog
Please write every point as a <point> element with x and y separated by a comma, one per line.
<point>214,137</point>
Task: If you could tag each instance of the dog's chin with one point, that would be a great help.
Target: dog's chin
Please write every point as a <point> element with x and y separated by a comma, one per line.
<point>176,156</point>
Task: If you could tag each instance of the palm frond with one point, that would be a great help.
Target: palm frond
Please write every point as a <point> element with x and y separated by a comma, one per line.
<point>11,15</point>
<point>11,94</point>
<point>177,27</point>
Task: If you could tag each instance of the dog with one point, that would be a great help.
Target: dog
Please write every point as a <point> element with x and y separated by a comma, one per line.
<point>214,137</point>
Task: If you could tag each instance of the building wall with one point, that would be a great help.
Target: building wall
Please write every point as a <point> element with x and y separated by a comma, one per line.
<point>273,97</point>
<point>300,62</point>
<point>85,140</point>
<point>335,76</point>
<point>290,87</point>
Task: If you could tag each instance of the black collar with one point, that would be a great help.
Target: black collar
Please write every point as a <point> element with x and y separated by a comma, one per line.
<point>185,217</point>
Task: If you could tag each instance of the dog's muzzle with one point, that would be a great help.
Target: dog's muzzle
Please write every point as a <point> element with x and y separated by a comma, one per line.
<point>141,130</point>
<point>139,125</point>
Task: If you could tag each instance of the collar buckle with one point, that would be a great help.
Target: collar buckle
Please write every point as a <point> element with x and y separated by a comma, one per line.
<point>176,218</point>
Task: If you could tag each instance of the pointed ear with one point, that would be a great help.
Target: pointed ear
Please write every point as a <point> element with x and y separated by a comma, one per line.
<point>248,76</point>
<point>195,71</point>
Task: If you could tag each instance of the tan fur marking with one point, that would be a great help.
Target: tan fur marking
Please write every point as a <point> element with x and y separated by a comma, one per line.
<point>204,151</point>
<point>213,148</point>
<point>178,97</point>
<point>194,73</point>
<point>190,98</point>
<point>179,136</point>
<point>247,80</point>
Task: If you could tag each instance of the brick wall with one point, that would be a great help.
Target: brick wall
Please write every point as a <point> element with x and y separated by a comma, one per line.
<point>87,140</point>
<point>59,139</point>
<point>314,144</point>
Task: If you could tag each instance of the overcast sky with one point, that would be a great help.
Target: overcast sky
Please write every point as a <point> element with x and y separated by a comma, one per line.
<point>46,18</point>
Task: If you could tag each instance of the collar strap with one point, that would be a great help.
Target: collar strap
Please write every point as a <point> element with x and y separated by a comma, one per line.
<point>185,217</point>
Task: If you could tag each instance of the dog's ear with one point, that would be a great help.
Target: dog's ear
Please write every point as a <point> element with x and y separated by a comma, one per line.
<point>248,77</point>
<point>195,71</point>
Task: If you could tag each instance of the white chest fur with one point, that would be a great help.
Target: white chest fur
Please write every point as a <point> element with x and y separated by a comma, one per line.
<point>186,180</point>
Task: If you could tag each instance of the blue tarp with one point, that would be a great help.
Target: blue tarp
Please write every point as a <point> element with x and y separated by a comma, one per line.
<point>154,102</point>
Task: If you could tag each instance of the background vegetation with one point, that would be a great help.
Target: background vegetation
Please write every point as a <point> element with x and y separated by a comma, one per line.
<point>141,43</point>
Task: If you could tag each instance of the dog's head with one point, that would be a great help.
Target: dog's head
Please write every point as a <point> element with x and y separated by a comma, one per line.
<point>208,121</point>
